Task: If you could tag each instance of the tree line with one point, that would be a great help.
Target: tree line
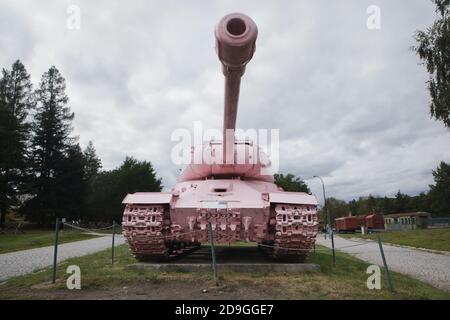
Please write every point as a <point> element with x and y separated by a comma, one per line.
<point>44,173</point>
<point>436,201</point>
<point>433,48</point>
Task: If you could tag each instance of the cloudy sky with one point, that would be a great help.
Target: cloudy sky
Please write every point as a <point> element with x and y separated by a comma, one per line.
<point>351,103</point>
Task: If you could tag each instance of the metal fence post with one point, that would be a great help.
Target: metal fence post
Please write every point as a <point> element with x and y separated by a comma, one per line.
<point>213,252</point>
<point>388,274</point>
<point>113,236</point>
<point>332,246</point>
<point>55,251</point>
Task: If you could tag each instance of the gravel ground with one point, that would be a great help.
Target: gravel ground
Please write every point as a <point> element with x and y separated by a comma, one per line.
<point>429,267</point>
<point>21,262</point>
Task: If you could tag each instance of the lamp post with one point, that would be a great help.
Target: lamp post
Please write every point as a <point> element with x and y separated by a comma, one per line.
<point>328,218</point>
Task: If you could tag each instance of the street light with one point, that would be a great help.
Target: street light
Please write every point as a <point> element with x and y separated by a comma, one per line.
<point>328,218</point>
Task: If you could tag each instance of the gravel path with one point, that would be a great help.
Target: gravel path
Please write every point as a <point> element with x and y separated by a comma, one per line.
<point>429,267</point>
<point>22,262</point>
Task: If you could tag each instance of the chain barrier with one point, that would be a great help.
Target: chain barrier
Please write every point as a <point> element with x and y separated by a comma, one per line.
<point>172,236</point>
<point>299,249</point>
<point>91,231</point>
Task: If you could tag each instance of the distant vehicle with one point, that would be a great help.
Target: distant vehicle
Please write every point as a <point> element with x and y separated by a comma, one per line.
<point>351,224</point>
<point>346,224</point>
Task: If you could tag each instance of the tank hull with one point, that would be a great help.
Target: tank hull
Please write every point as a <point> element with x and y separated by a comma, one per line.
<point>163,225</point>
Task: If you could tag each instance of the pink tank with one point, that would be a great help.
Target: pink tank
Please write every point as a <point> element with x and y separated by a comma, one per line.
<point>240,202</point>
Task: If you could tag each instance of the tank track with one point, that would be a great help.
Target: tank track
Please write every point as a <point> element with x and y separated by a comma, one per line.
<point>295,229</point>
<point>148,231</point>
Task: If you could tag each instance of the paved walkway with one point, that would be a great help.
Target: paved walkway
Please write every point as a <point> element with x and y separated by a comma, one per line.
<point>429,267</point>
<point>22,262</point>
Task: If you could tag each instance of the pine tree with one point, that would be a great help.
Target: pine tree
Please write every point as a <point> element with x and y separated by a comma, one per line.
<point>15,103</point>
<point>92,165</point>
<point>92,162</point>
<point>371,204</point>
<point>402,202</point>
<point>50,146</point>
<point>70,184</point>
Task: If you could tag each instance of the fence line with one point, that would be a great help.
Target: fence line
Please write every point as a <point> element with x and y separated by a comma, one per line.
<point>211,234</point>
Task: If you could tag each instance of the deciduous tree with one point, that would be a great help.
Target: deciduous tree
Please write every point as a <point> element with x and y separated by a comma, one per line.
<point>290,182</point>
<point>440,191</point>
<point>433,47</point>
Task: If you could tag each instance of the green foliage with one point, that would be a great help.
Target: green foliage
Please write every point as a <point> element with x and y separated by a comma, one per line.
<point>291,183</point>
<point>440,191</point>
<point>92,162</point>
<point>57,164</point>
<point>336,208</point>
<point>366,205</point>
<point>110,187</point>
<point>70,184</point>
<point>434,49</point>
<point>437,201</point>
<point>39,159</point>
<point>15,104</point>
<point>92,165</point>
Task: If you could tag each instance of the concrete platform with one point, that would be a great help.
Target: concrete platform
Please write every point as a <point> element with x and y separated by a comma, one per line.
<point>235,259</point>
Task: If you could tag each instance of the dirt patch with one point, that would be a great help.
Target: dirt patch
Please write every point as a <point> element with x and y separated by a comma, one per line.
<point>162,290</point>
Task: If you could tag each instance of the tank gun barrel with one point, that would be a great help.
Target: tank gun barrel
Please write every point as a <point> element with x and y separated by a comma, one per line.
<point>236,35</point>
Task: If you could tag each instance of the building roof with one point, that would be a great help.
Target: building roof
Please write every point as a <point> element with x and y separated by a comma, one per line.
<point>406,214</point>
<point>373,215</point>
<point>347,217</point>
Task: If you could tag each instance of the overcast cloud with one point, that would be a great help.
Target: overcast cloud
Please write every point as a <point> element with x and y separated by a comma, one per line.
<point>351,103</point>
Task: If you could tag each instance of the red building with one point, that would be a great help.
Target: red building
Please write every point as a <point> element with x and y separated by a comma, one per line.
<point>373,221</point>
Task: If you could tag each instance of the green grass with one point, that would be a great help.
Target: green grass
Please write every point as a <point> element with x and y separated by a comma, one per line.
<point>38,238</point>
<point>99,280</point>
<point>436,239</point>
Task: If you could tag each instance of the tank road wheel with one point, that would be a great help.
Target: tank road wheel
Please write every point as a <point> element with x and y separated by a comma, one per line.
<point>295,232</point>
